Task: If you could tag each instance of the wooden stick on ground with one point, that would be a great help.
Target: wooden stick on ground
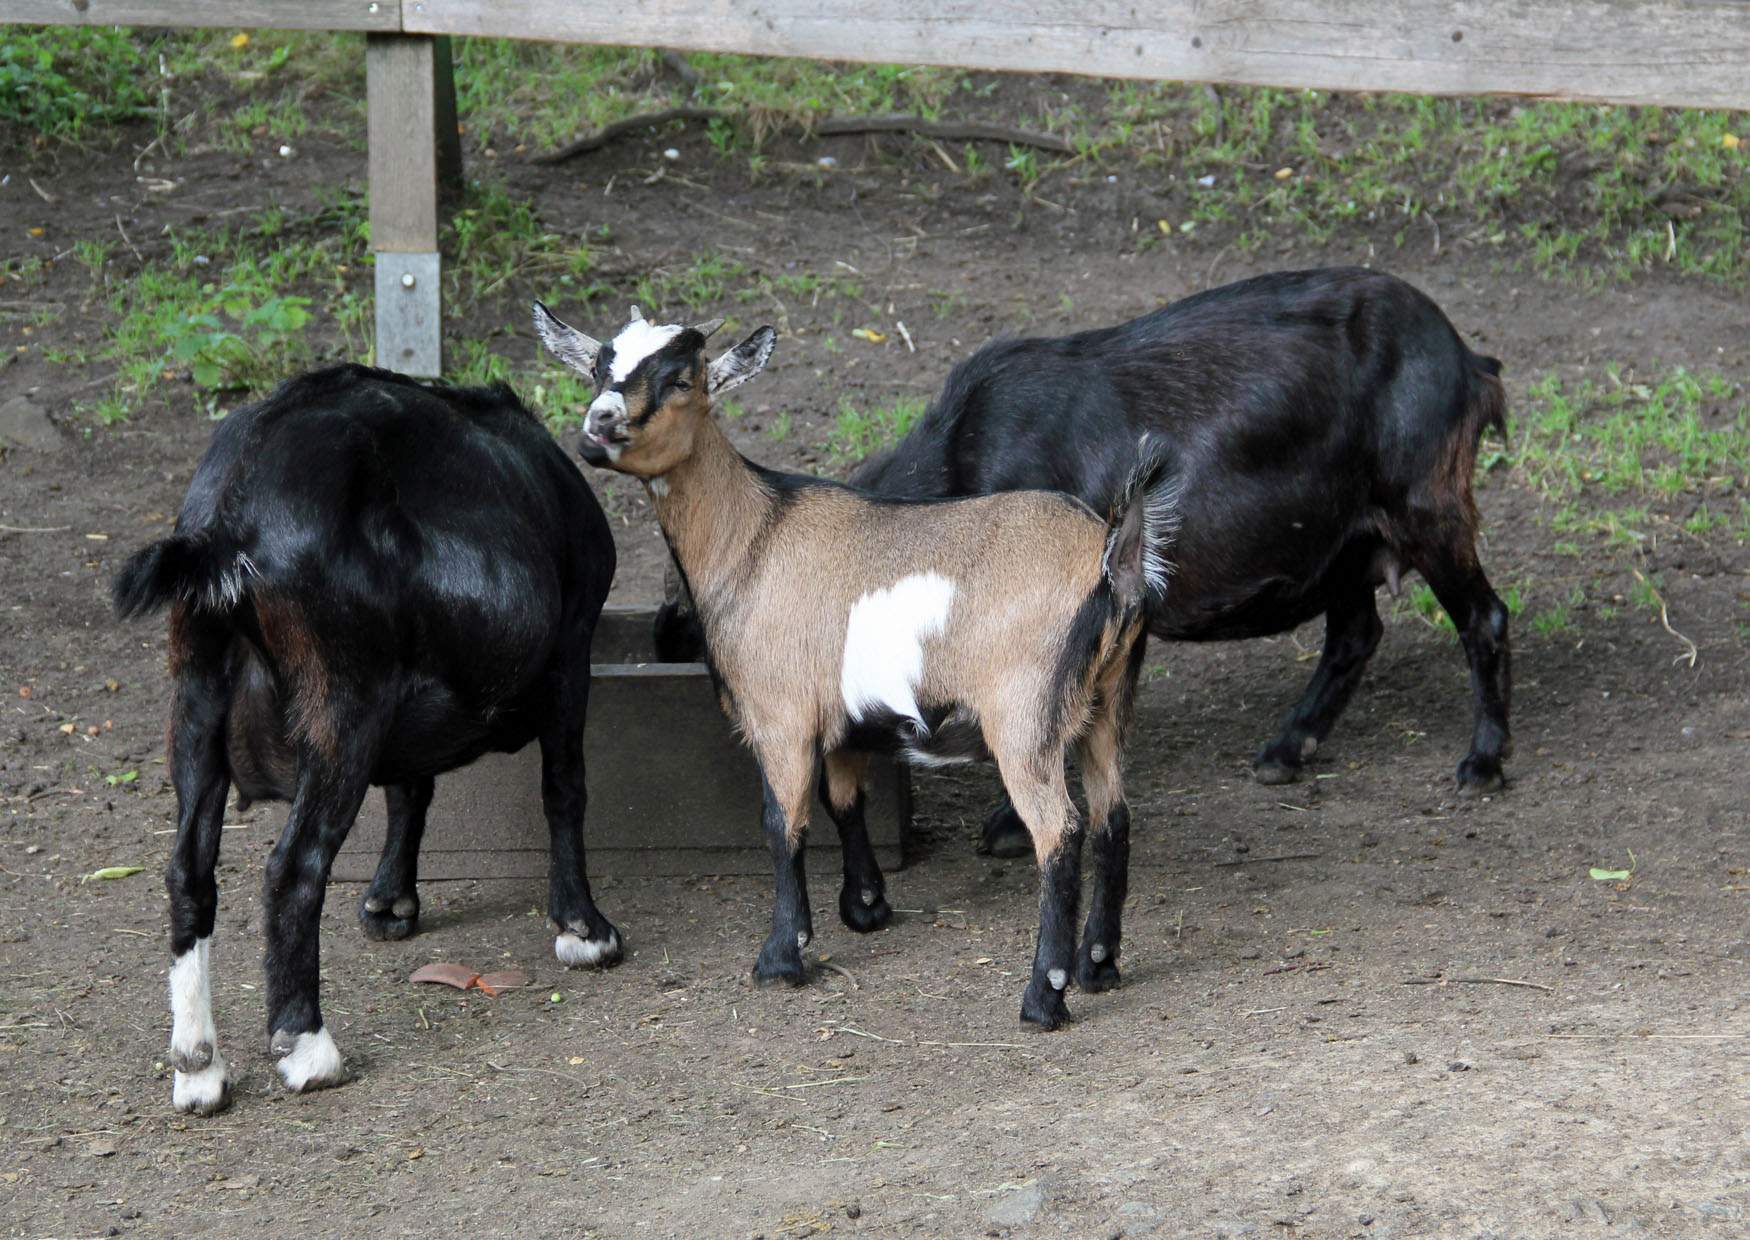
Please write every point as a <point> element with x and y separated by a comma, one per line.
<point>619,129</point>
<point>952,131</point>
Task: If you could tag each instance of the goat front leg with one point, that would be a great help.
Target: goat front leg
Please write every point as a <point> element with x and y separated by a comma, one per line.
<point>389,909</point>
<point>585,936</point>
<point>784,777</point>
<point>331,787</point>
<point>1352,632</point>
<point>844,785</point>
<point>1039,793</point>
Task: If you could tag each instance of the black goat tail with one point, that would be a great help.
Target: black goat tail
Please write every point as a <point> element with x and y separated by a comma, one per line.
<point>1144,524</point>
<point>179,567</point>
<point>1488,399</point>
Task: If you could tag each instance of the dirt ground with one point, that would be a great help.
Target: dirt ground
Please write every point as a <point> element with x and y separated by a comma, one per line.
<point>1356,1006</point>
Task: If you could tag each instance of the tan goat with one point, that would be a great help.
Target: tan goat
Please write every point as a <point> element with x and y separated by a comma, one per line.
<point>837,623</point>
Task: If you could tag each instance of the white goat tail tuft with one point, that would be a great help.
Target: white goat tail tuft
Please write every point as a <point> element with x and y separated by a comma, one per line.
<point>1145,523</point>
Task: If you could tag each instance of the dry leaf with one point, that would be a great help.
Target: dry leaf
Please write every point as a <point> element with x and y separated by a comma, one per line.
<point>873,337</point>
<point>1282,174</point>
<point>1731,141</point>
<point>239,41</point>
<point>458,975</point>
<point>505,979</point>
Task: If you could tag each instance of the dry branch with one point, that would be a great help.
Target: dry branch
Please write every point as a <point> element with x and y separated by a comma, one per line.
<point>952,131</point>
<point>619,129</point>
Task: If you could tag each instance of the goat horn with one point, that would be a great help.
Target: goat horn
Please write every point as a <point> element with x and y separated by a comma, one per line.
<point>709,327</point>
<point>637,315</point>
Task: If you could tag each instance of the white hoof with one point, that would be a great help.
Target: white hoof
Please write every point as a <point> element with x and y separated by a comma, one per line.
<point>575,951</point>
<point>206,1092</point>
<point>313,1063</point>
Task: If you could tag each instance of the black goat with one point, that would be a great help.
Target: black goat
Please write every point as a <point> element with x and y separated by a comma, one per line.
<point>1326,425</point>
<point>372,581</point>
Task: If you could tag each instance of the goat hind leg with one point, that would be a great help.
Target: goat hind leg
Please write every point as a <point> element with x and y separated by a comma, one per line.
<point>844,783</point>
<point>389,909</point>
<point>585,936</point>
<point>1481,619</point>
<point>202,1081</point>
<point>1043,801</point>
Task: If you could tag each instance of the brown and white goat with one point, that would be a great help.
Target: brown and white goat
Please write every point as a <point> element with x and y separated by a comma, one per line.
<point>838,623</point>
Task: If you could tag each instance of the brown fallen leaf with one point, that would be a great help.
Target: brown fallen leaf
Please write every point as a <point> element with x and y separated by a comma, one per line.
<point>458,975</point>
<point>504,979</point>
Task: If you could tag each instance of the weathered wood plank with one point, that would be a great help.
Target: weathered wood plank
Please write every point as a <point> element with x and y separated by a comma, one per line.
<point>1693,53</point>
<point>223,14</point>
<point>401,81</point>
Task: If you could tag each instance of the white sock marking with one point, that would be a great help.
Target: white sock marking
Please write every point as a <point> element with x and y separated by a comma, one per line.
<point>191,1005</point>
<point>575,951</point>
<point>314,1061</point>
<point>1097,954</point>
<point>203,1092</point>
<point>884,644</point>
<point>1058,979</point>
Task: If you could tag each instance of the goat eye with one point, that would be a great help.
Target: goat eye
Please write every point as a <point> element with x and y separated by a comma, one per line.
<point>683,385</point>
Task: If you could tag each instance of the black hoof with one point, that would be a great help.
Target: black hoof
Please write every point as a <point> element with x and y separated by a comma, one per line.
<point>1277,764</point>
<point>864,909</point>
<point>1005,835</point>
<point>388,921</point>
<point>1092,978</point>
<point>1479,776</point>
<point>780,962</point>
<point>1043,1006</point>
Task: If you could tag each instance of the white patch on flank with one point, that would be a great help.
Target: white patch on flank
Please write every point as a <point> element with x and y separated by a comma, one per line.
<point>1058,979</point>
<point>884,644</point>
<point>637,341</point>
<point>191,1005</point>
<point>574,950</point>
<point>314,1061</point>
<point>203,1092</point>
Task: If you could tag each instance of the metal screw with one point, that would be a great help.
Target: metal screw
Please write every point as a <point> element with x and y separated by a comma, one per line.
<point>374,7</point>
<point>407,279</point>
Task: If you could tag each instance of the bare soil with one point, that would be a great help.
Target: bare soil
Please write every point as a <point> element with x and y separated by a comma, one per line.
<point>1357,1006</point>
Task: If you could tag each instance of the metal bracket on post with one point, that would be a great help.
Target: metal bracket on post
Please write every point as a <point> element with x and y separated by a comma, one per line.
<point>409,100</point>
<point>409,313</point>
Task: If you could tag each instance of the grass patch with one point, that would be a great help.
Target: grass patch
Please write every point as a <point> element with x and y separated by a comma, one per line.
<point>65,82</point>
<point>1582,443</point>
<point>857,432</point>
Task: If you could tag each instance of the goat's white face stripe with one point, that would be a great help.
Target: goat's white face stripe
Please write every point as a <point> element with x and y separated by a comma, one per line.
<point>884,644</point>
<point>637,341</point>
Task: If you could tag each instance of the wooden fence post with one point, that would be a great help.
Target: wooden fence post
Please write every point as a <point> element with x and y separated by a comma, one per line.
<point>413,151</point>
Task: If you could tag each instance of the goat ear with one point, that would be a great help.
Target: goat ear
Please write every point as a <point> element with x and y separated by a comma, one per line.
<point>565,342</point>
<point>709,327</point>
<point>744,361</point>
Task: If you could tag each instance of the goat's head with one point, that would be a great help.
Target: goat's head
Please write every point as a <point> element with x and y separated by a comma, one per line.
<point>653,386</point>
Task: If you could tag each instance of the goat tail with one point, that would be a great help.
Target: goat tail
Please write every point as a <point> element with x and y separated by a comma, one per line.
<point>1144,523</point>
<point>179,568</point>
<point>1488,399</point>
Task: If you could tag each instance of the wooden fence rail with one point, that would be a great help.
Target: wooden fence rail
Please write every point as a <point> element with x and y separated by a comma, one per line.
<point>1687,53</point>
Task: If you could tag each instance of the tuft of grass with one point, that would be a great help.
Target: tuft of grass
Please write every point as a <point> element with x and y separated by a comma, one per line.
<point>856,432</point>
<point>67,81</point>
<point>1606,452</point>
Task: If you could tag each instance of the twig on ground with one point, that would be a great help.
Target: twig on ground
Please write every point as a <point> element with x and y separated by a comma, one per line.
<point>564,1076</point>
<point>129,241</point>
<point>952,131</point>
<point>1001,1046</point>
<point>677,64</point>
<point>41,192</point>
<point>1209,276</point>
<point>34,529</point>
<point>1668,1037</point>
<point>619,129</point>
<point>1476,981</point>
<point>1693,652</point>
<point>842,972</point>
<point>874,1037</point>
<point>905,335</point>
<point>1306,856</point>
<point>1265,1011</point>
